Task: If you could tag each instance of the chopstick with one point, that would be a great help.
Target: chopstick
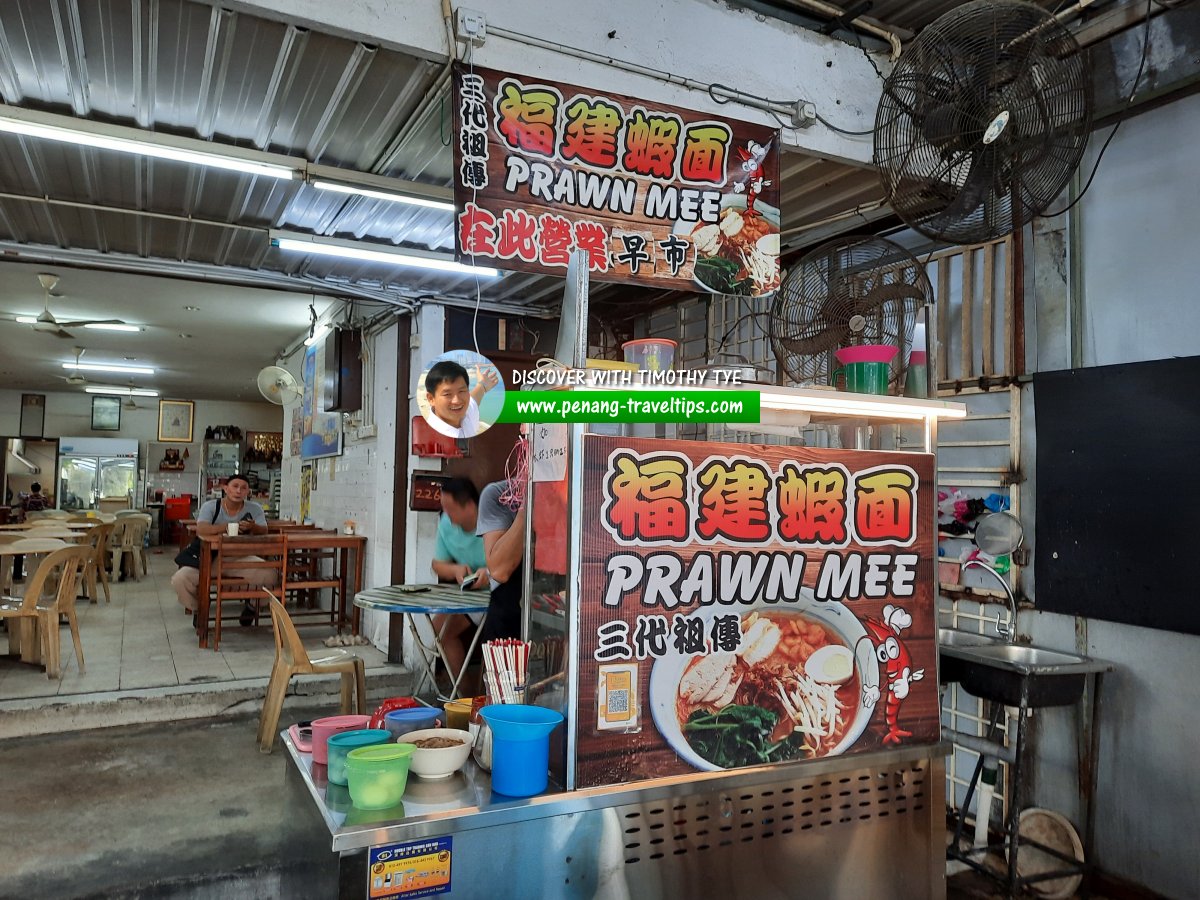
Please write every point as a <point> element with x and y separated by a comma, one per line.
<point>506,664</point>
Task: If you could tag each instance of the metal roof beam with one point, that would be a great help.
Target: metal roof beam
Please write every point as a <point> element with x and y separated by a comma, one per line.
<point>658,53</point>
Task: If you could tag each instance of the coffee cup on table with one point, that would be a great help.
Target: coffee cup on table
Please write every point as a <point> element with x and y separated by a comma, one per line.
<point>232,529</point>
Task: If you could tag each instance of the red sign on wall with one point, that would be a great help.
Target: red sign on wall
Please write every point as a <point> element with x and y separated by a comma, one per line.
<point>744,606</point>
<point>655,195</point>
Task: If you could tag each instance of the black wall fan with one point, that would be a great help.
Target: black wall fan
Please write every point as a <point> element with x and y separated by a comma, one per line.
<point>983,120</point>
<point>859,289</point>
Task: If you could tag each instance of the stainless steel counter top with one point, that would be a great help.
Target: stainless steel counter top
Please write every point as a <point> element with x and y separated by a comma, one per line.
<point>465,801</point>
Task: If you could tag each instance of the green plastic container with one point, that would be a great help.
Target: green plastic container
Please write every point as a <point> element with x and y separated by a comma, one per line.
<point>377,776</point>
<point>340,746</point>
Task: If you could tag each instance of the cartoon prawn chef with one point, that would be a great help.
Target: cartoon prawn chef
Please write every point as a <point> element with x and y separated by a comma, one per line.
<point>895,664</point>
<point>752,156</point>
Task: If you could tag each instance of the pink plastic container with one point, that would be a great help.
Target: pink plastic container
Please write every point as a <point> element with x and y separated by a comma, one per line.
<point>866,353</point>
<point>324,729</point>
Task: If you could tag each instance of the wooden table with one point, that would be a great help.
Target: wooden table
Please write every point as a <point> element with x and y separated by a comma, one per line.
<point>351,576</point>
<point>426,601</point>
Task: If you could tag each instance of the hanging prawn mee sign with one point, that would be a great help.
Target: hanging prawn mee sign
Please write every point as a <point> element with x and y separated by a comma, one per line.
<point>747,605</point>
<point>655,195</point>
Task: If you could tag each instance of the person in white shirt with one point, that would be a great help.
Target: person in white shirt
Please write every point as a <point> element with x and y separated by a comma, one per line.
<point>453,403</point>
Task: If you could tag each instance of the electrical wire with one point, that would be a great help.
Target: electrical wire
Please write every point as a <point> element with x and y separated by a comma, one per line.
<point>1137,79</point>
<point>833,127</point>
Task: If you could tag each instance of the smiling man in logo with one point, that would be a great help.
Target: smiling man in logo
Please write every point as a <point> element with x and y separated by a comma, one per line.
<point>453,403</point>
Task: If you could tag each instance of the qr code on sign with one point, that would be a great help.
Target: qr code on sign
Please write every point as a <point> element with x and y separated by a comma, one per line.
<point>617,699</point>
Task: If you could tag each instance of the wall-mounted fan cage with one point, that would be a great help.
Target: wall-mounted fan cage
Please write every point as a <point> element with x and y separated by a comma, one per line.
<point>853,290</point>
<point>983,120</point>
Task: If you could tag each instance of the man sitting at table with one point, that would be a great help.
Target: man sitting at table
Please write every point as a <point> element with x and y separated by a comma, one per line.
<point>212,519</point>
<point>459,555</point>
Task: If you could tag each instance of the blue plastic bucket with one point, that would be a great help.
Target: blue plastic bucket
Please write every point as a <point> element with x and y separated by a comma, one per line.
<point>520,747</point>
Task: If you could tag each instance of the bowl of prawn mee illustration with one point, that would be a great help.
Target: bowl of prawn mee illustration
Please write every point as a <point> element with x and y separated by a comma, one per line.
<point>739,253</point>
<point>792,690</point>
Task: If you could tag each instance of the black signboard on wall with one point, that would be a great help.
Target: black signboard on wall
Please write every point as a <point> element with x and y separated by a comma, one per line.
<point>1118,493</point>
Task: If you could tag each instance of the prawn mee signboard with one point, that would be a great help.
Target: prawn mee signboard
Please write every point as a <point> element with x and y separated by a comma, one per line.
<point>747,605</point>
<point>656,195</point>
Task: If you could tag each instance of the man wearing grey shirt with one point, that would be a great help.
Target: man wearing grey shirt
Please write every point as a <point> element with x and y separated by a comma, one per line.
<point>213,518</point>
<point>503,531</point>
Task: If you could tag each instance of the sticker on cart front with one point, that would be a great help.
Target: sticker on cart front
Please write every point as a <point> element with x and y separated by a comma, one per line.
<point>412,869</point>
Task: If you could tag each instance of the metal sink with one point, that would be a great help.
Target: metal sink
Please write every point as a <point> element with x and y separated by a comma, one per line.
<point>950,668</point>
<point>1017,675</point>
<point>952,637</point>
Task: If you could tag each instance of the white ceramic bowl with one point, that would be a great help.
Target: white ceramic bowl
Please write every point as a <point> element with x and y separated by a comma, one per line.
<point>442,761</point>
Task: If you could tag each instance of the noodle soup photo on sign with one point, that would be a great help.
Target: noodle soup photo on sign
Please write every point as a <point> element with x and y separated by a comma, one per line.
<point>792,690</point>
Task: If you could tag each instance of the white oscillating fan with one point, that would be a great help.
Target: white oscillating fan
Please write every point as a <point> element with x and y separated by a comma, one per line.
<point>279,386</point>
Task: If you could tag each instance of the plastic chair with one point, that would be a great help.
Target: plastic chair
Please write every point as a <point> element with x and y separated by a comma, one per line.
<point>128,537</point>
<point>292,659</point>
<point>6,562</point>
<point>45,606</point>
<point>98,537</point>
<point>236,555</point>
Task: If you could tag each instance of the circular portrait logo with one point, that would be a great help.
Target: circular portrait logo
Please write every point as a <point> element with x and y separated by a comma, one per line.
<point>461,394</point>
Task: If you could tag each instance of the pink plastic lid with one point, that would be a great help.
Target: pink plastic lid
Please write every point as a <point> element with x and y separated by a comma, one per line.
<point>884,353</point>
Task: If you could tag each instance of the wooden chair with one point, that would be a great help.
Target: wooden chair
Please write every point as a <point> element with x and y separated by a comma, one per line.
<point>128,539</point>
<point>304,580</point>
<point>44,605</point>
<point>292,659</point>
<point>231,558</point>
<point>98,537</point>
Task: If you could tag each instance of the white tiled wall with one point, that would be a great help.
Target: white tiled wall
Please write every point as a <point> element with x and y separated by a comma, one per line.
<point>359,484</point>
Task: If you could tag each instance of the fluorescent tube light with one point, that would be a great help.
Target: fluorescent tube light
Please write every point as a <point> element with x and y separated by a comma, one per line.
<point>156,150</point>
<point>839,403</point>
<point>352,250</point>
<point>322,184</point>
<point>317,335</point>
<point>103,367</point>
<point>122,391</point>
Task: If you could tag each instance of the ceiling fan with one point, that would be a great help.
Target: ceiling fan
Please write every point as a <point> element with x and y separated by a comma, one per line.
<point>46,321</point>
<point>75,378</point>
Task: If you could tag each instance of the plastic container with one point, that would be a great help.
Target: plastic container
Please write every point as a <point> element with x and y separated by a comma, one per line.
<point>377,776</point>
<point>458,712</point>
<point>650,354</point>
<point>388,705</point>
<point>401,721</point>
<point>340,746</point>
<point>438,762</point>
<point>324,729</point>
<point>520,747</point>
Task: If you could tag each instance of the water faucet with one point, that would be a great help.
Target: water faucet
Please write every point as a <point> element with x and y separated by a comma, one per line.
<point>1009,632</point>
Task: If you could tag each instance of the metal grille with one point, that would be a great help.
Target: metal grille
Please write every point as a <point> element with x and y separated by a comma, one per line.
<point>713,821</point>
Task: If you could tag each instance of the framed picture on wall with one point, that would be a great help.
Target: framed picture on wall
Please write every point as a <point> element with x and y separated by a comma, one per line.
<point>106,414</point>
<point>175,420</point>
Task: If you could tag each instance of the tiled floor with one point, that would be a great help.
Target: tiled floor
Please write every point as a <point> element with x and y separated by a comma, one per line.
<point>143,639</point>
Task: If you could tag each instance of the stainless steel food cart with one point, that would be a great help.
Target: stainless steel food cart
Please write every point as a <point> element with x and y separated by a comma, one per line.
<point>847,824</point>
